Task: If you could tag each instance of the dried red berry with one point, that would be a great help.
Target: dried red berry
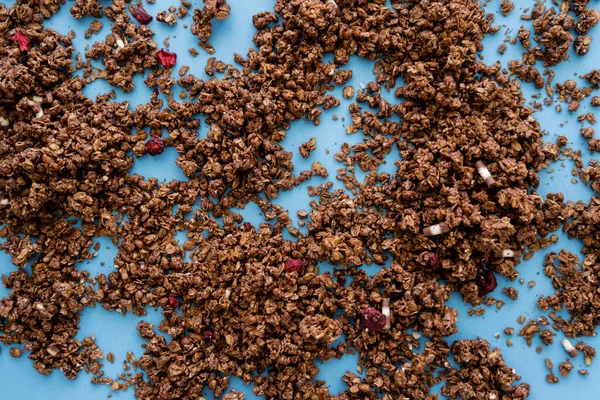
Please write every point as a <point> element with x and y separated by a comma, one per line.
<point>167,59</point>
<point>341,280</point>
<point>141,15</point>
<point>247,227</point>
<point>208,334</point>
<point>155,146</point>
<point>372,319</point>
<point>294,265</point>
<point>486,282</point>
<point>23,40</point>
<point>173,302</point>
<point>434,261</point>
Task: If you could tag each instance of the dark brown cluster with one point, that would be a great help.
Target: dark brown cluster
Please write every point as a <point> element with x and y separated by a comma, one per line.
<point>482,374</point>
<point>203,21</point>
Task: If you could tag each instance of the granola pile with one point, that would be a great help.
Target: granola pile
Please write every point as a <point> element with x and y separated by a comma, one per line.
<point>459,210</point>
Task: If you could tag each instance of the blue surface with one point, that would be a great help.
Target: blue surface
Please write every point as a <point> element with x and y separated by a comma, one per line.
<point>117,334</point>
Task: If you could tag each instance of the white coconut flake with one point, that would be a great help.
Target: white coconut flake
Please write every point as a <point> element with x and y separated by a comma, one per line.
<point>120,43</point>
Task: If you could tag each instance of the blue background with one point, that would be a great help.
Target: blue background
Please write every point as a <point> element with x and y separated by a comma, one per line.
<point>117,334</point>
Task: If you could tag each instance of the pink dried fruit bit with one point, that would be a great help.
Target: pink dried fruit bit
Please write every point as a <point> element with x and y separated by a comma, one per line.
<point>155,146</point>
<point>373,320</point>
<point>434,261</point>
<point>23,41</point>
<point>486,282</point>
<point>141,15</point>
<point>208,334</point>
<point>293,264</point>
<point>173,302</point>
<point>167,59</point>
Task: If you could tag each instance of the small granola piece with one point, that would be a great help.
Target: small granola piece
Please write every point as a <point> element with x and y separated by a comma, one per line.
<point>564,368</point>
<point>511,292</point>
<point>547,337</point>
<point>549,364</point>
<point>348,92</point>
<point>15,352</point>
<point>583,372</point>
<point>551,378</point>
<point>506,7</point>
<point>307,147</point>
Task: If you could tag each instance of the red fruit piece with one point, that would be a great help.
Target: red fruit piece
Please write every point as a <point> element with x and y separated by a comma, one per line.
<point>23,40</point>
<point>208,334</point>
<point>294,265</point>
<point>372,319</point>
<point>173,302</point>
<point>247,227</point>
<point>167,59</point>
<point>141,15</point>
<point>486,282</point>
<point>155,146</point>
<point>434,261</point>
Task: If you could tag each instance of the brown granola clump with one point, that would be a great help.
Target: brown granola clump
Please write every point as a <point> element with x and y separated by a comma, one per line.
<point>203,21</point>
<point>482,373</point>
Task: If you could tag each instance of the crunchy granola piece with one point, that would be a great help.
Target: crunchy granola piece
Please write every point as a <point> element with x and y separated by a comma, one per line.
<point>308,147</point>
<point>506,7</point>
<point>565,368</point>
<point>482,373</point>
<point>203,21</point>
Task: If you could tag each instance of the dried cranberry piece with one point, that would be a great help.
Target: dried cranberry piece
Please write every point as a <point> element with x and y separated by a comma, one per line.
<point>208,334</point>
<point>167,59</point>
<point>434,261</point>
<point>486,282</point>
<point>155,146</point>
<point>141,15</point>
<point>372,319</point>
<point>23,41</point>
<point>341,280</point>
<point>173,302</point>
<point>294,265</point>
<point>247,227</point>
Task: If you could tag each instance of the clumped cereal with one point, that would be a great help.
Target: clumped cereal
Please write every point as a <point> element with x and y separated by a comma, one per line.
<point>482,374</point>
<point>203,21</point>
